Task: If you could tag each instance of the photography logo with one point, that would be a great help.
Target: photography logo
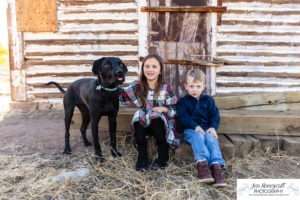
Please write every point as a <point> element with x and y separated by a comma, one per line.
<point>264,189</point>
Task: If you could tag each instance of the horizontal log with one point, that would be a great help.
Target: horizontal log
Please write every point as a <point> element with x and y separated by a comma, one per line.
<point>242,93</point>
<point>112,10</point>
<point>71,62</point>
<point>46,95</point>
<point>234,102</point>
<point>271,63</point>
<point>184,9</point>
<point>99,21</point>
<point>261,23</point>
<point>238,84</point>
<point>261,43</point>
<point>68,74</point>
<point>257,53</point>
<point>96,32</point>
<point>260,74</point>
<point>80,42</point>
<point>82,3</point>
<point>84,53</point>
<point>256,33</point>
<point>264,1</point>
<point>262,12</point>
<point>277,107</point>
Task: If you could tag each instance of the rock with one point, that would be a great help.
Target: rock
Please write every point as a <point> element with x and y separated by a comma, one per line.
<point>82,172</point>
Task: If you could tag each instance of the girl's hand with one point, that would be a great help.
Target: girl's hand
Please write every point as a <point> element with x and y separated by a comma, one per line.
<point>213,132</point>
<point>160,109</point>
<point>199,129</point>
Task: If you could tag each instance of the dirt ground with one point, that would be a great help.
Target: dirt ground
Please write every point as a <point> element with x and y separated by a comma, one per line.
<point>30,154</point>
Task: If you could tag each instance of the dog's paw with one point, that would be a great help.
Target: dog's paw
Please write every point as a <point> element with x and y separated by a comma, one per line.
<point>115,153</point>
<point>67,152</point>
<point>87,144</point>
<point>100,159</point>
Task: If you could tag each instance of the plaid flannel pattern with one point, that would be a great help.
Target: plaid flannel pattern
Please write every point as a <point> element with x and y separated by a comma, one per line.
<point>145,114</point>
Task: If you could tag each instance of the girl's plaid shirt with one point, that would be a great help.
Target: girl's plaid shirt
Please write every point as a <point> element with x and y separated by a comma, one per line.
<point>145,114</point>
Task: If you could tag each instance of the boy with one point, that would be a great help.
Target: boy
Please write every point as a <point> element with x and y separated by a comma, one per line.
<point>200,119</point>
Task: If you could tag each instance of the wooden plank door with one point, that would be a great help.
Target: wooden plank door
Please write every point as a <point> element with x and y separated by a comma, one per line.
<point>179,36</point>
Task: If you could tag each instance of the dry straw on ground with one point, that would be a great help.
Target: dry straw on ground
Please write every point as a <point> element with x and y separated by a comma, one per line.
<point>25,174</point>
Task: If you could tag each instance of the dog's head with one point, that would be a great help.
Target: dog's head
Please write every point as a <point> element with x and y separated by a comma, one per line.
<point>111,70</point>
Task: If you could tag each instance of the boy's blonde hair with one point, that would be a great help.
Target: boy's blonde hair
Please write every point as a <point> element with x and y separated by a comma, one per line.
<point>196,74</point>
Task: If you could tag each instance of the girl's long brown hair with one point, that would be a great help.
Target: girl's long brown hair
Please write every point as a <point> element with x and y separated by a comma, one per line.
<point>144,87</point>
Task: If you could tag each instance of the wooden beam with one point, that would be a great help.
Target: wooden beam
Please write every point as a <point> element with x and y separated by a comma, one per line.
<point>16,55</point>
<point>219,15</point>
<point>260,122</point>
<point>232,122</point>
<point>277,107</point>
<point>234,102</point>
<point>184,9</point>
<point>191,62</point>
<point>243,122</point>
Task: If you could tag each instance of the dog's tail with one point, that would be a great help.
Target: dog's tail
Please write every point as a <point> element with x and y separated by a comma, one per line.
<point>57,85</point>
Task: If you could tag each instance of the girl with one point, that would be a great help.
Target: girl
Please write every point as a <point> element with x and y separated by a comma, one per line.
<point>156,102</point>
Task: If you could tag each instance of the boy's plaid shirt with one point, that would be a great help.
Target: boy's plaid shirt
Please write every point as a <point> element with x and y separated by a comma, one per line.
<point>145,114</point>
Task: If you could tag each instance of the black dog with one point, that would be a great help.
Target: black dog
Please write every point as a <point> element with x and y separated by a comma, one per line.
<point>95,98</point>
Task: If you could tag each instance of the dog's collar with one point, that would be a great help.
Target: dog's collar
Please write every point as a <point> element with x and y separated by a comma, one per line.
<point>100,87</point>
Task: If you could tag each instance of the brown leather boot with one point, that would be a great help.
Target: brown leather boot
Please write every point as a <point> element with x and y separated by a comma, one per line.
<point>204,173</point>
<point>217,174</point>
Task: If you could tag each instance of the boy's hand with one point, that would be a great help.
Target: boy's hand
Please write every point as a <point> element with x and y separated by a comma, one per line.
<point>160,109</point>
<point>199,129</point>
<point>213,132</point>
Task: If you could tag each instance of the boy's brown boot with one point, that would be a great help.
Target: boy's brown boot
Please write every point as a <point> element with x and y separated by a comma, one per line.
<point>204,172</point>
<point>217,174</point>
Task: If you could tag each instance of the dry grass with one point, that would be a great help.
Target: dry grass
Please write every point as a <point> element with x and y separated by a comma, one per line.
<point>25,174</point>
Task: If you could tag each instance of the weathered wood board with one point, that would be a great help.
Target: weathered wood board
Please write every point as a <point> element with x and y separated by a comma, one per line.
<point>234,102</point>
<point>16,56</point>
<point>242,144</point>
<point>232,122</point>
<point>178,35</point>
<point>269,143</point>
<point>36,15</point>
<point>292,145</point>
<point>260,122</point>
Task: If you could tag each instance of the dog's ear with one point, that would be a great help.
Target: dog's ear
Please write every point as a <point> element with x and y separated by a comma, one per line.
<point>97,65</point>
<point>124,67</point>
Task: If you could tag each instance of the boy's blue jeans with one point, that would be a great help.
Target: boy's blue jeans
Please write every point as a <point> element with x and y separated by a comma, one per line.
<point>205,147</point>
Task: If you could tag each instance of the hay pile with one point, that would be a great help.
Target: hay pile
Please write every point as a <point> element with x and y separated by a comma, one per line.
<point>25,174</point>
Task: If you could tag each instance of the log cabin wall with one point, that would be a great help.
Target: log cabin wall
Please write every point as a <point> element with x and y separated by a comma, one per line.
<point>87,30</point>
<point>260,40</point>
